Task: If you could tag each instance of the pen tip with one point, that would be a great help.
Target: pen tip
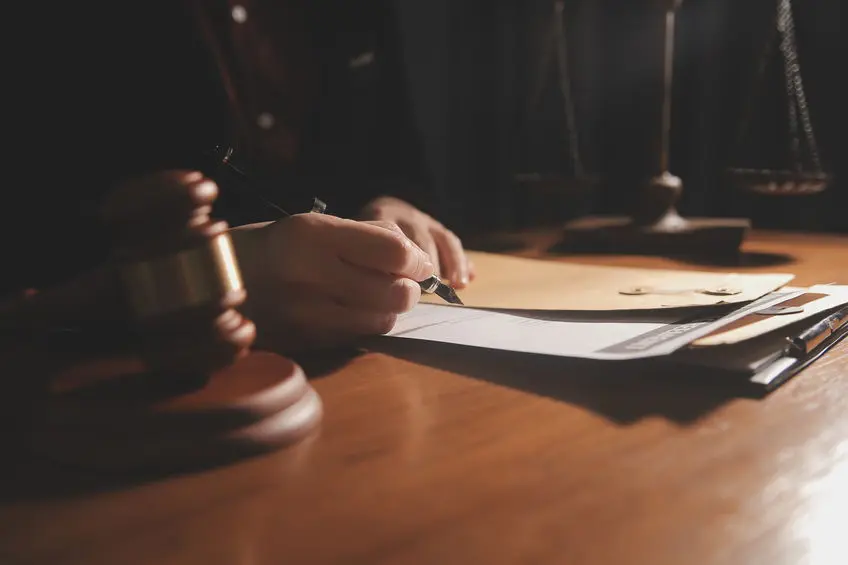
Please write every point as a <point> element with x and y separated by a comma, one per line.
<point>448,295</point>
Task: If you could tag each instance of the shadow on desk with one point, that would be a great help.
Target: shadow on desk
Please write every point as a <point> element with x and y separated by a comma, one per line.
<point>622,391</point>
<point>518,244</point>
<point>27,476</point>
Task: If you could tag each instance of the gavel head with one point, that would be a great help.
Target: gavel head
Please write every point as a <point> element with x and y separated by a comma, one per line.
<point>179,272</point>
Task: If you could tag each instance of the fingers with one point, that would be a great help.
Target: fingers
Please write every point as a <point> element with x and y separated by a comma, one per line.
<point>420,234</point>
<point>320,320</point>
<point>370,290</point>
<point>324,279</point>
<point>442,246</point>
<point>415,232</point>
<point>452,257</point>
<point>375,247</point>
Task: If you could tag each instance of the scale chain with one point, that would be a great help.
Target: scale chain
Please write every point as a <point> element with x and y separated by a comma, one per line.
<point>798,107</point>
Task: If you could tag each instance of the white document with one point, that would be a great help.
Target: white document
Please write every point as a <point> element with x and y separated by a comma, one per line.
<point>611,340</point>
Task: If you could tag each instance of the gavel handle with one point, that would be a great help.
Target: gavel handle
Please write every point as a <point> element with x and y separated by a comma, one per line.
<point>90,300</point>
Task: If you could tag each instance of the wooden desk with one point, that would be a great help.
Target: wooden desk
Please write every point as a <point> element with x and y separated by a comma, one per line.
<point>496,460</point>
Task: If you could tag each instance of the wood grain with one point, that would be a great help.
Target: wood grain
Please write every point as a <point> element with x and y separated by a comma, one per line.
<point>433,458</point>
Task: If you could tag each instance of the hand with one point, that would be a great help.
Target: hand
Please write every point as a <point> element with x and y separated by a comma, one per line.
<point>441,244</point>
<point>318,280</point>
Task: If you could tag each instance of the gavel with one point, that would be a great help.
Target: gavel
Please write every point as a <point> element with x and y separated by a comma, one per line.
<point>178,273</point>
<point>163,373</point>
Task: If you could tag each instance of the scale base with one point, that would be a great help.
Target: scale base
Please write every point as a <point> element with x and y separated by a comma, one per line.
<point>673,235</point>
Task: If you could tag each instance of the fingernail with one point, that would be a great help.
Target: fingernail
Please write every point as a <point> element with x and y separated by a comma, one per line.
<point>430,268</point>
<point>458,282</point>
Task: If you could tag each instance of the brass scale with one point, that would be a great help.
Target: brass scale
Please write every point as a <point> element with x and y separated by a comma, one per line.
<point>805,176</point>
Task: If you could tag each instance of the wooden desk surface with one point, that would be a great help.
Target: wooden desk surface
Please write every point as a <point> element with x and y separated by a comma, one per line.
<point>495,460</point>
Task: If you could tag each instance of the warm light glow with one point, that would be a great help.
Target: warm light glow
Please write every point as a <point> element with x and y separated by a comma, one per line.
<point>823,526</point>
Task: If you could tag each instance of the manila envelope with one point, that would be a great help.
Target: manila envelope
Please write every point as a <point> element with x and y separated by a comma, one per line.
<point>517,283</point>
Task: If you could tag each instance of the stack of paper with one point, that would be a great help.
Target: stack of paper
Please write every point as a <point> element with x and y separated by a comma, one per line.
<point>608,313</point>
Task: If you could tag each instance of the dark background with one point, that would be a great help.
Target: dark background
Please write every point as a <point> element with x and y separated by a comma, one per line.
<point>468,60</point>
<point>466,63</point>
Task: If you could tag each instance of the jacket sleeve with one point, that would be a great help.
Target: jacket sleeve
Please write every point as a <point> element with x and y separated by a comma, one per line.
<point>362,141</point>
<point>399,161</point>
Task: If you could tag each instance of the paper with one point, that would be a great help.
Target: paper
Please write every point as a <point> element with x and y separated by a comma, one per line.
<point>506,282</point>
<point>612,340</point>
<point>813,300</point>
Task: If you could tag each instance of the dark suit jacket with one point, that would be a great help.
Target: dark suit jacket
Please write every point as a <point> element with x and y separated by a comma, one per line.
<point>106,90</point>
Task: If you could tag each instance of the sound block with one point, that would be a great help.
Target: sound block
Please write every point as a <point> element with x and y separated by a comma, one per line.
<point>111,415</point>
<point>673,235</point>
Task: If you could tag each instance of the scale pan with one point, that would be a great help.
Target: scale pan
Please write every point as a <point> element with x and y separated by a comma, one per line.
<point>780,182</point>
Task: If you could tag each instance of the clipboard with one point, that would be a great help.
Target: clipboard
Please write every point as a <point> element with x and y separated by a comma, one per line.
<point>783,369</point>
<point>770,360</point>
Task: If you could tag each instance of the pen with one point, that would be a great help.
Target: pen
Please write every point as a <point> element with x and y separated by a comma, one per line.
<point>434,285</point>
<point>805,342</point>
<point>804,349</point>
<point>431,285</point>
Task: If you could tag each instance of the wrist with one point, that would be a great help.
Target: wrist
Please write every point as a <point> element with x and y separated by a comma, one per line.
<point>249,243</point>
